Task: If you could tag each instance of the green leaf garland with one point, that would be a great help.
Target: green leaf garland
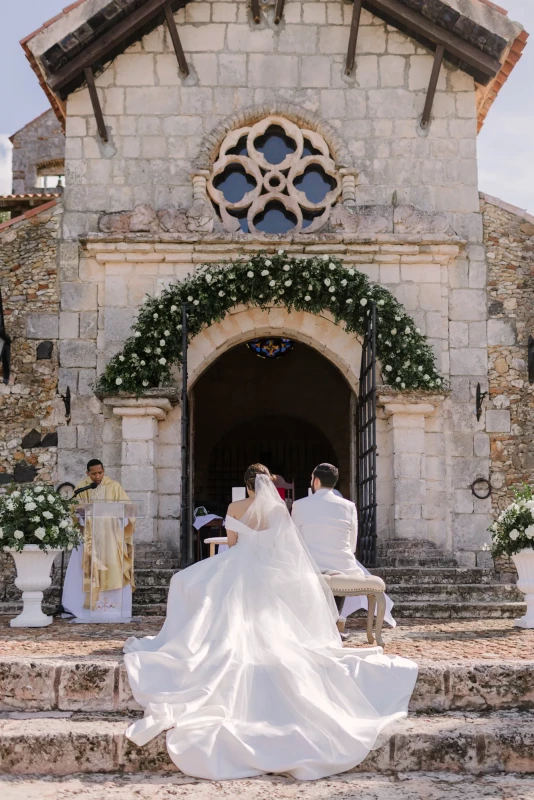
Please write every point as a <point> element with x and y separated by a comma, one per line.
<point>320,283</point>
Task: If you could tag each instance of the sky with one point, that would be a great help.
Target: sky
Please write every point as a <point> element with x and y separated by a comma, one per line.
<point>505,145</point>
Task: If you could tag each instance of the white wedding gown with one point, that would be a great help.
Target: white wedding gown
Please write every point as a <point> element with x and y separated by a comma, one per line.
<point>248,674</point>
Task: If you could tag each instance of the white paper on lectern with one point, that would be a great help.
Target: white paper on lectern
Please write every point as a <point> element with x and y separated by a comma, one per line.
<point>238,493</point>
<point>199,522</point>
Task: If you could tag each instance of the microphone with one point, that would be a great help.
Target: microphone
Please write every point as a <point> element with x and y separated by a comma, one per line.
<point>85,489</point>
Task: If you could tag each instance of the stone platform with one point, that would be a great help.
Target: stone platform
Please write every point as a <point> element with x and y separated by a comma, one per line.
<point>437,640</point>
<point>157,786</point>
<point>65,703</point>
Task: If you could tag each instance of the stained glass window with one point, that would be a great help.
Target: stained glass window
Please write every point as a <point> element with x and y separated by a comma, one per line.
<point>270,348</point>
<point>274,178</point>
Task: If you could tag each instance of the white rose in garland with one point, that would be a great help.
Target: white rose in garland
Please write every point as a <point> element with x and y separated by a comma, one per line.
<point>279,279</point>
<point>20,525</point>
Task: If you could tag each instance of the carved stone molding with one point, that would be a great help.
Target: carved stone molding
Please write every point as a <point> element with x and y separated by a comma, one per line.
<point>344,218</point>
<point>361,219</point>
<point>211,145</point>
<point>349,218</point>
<point>408,219</point>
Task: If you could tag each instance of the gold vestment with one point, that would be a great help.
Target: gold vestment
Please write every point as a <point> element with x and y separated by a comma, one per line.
<point>113,568</point>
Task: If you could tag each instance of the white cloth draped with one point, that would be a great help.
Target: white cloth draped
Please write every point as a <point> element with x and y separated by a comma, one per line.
<point>117,603</point>
<point>248,674</point>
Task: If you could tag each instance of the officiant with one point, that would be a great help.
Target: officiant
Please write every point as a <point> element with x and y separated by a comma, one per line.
<point>105,583</point>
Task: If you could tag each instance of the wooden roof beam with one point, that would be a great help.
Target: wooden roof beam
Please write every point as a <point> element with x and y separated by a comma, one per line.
<point>173,30</point>
<point>427,111</point>
<point>353,38</point>
<point>97,51</point>
<point>278,11</point>
<point>452,44</point>
<point>95,102</point>
<point>255,7</point>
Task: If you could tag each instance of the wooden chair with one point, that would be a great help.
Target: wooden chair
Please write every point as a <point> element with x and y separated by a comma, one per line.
<point>370,585</point>
<point>215,540</point>
<point>280,483</point>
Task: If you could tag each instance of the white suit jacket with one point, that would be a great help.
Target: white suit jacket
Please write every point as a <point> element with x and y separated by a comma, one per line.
<point>329,526</point>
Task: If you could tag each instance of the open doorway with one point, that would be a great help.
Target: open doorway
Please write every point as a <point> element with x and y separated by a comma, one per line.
<point>290,412</point>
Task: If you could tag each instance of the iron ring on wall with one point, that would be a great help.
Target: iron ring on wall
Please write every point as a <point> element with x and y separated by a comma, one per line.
<point>488,492</point>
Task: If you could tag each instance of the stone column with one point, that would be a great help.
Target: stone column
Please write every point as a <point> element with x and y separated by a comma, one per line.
<point>406,417</point>
<point>140,418</point>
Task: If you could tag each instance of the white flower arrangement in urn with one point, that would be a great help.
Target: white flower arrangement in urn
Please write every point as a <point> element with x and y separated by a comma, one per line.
<point>35,525</point>
<point>513,535</point>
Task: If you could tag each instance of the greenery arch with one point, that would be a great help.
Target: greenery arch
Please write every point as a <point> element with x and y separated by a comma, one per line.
<point>302,283</point>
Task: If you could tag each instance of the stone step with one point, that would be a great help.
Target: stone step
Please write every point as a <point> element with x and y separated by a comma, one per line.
<point>394,576</point>
<point>161,562</point>
<point>417,576</point>
<point>406,544</point>
<point>149,609</point>
<point>101,685</point>
<point>456,592</point>
<point>88,743</point>
<point>452,610</point>
<point>417,561</point>
<point>364,786</point>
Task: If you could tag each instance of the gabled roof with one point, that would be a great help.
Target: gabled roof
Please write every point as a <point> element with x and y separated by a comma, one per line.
<point>477,36</point>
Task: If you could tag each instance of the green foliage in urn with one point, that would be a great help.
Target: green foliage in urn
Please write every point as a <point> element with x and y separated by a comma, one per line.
<point>514,528</point>
<point>314,284</point>
<point>36,515</point>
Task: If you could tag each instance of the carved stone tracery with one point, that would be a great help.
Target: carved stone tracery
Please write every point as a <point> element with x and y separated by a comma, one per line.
<point>274,183</point>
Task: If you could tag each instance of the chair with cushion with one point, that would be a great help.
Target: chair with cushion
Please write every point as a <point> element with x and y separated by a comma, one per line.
<point>370,585</point>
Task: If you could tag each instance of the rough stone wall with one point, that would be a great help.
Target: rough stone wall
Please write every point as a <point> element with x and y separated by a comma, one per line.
<point>509,240</point>
<point>30,293</point>
<point>159,121</point>
<point>40,140</point>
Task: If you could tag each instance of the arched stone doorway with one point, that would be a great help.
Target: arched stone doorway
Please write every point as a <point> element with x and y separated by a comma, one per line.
<point>291,412</point>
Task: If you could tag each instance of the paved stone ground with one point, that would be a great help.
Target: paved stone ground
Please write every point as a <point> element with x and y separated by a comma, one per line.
<point>344,787</point>
<point>494,639</point>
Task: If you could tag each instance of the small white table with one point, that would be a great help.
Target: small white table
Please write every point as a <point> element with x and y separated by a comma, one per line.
<point>215,540</point>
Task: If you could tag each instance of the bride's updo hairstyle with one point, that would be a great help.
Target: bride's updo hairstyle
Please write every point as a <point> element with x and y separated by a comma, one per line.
<point>250,475</point>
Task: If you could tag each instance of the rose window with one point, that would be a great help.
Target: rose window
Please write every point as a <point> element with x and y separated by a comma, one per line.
<point>274,177</point>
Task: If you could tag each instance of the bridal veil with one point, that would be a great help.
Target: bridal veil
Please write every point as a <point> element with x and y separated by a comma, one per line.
<point>248,674</point>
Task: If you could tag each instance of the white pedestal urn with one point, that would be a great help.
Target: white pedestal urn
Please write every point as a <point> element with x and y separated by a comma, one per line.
<point>33,577</point>
<point>524,562</point>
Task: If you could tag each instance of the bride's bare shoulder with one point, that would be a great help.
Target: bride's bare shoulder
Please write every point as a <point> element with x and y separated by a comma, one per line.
<point>238,508</point>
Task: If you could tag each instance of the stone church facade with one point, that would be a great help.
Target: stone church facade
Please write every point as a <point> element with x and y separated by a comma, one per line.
<point>142,209</point>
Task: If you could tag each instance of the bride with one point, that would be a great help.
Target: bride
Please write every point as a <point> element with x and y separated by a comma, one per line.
<point>248,674</point>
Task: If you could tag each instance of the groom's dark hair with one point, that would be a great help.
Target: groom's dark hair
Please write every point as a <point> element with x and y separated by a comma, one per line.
<point>327,474</point>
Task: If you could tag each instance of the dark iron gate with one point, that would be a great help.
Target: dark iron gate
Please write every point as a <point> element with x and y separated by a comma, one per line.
<point>186,529</point>
<point>366,451</point>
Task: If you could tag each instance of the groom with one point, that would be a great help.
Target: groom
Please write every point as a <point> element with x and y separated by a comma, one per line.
<point>329,526</point>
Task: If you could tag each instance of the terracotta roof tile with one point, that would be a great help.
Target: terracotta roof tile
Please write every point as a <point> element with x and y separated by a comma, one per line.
<point>32,213</point>
<point>489,94</point>
<point>29,195</point>
<point>495,7</point>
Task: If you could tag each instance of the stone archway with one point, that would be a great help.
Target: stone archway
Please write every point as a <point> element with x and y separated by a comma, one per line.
<point>243,323</point>
<point>333,359</point>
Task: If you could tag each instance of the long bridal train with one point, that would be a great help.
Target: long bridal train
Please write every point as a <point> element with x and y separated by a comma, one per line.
<point>248,674</point>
